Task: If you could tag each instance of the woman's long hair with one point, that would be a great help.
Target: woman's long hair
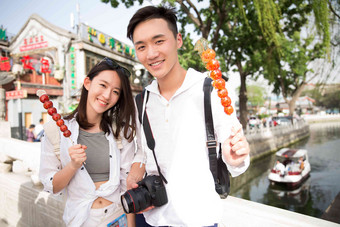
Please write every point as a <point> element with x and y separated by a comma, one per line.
<point>122,114</point>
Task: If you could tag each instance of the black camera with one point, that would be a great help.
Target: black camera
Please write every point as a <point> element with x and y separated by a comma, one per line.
<point>150,191</point>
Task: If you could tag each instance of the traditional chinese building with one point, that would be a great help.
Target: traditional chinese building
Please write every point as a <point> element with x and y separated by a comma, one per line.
<point>44,56</point>
<point>6,77</point>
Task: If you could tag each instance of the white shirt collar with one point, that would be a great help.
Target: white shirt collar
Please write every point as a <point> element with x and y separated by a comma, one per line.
<point>192,77</point>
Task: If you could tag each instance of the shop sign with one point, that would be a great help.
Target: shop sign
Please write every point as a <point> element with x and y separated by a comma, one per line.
<point>45,66</point>
<point>109,42</point>
<point>3,34</point>
<point>73,71</point>
<point>16,94</point>
<point>26,62</point>
<point>32,43</point>
<point>5,64</point>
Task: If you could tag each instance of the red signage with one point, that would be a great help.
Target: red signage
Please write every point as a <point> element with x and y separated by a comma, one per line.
<point>5,64</point>
<point>17,94</point>
<point>33,46</point>
<point>45,66</point>
<point>26,62</point>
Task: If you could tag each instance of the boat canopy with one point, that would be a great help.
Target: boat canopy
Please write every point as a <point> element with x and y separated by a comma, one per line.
<point>291,153</point>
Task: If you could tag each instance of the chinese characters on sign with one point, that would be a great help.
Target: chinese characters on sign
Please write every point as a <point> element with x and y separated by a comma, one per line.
<point>45,66</point>
<point>33,43</point>
<point>26,62</point>
<point>17,94</point>
<point>110,42</point>
<point>73,66</point>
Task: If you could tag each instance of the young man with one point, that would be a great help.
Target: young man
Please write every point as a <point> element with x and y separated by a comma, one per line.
<point>175,110</point>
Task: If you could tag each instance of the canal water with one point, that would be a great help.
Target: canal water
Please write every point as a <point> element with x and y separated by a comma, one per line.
<point>317,193</point>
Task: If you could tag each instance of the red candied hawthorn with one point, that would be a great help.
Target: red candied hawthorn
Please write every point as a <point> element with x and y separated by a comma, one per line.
<point>226,101</point>
<point>216,74</point>
<point>43,98</point>
<point>208,55</point>
<point>219,84</point>
<point>67,133</point>
<point>63,128</point>
<point>48,104</point>
<point>213,64</point>
<point>56,116</point>
<point>228,110</point>
<point>60,122</point>
<point>222,93</point>
<point>52,111</point>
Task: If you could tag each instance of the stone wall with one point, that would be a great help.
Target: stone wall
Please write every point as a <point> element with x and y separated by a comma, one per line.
<point>24,204</point>
<point>265,140</point>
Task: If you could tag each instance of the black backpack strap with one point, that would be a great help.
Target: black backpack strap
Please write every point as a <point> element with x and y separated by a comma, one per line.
<point>209,127</point>
<point>147,129</point>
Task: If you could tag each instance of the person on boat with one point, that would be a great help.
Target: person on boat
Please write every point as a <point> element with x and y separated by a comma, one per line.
<point>280,167</point>
<point>301,163</point>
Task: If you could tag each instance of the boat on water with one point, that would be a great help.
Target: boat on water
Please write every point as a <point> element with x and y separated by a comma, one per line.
<point>291,168</point>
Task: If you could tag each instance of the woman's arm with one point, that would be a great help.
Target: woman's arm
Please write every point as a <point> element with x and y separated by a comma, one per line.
<point>62,178</point>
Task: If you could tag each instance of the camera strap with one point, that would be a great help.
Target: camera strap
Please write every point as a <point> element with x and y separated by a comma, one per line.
<point>146,126</point>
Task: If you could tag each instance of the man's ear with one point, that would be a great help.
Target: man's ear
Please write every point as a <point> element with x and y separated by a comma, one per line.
<point>87,83</point>
<point>179,40</point>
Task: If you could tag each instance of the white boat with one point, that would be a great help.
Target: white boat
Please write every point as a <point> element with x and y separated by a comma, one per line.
<point>291,167</point>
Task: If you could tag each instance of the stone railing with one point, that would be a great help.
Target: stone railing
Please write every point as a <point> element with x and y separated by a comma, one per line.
<point>267,139</point>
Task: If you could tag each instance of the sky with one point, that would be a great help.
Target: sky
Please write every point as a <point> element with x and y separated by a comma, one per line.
<point>101,16</point>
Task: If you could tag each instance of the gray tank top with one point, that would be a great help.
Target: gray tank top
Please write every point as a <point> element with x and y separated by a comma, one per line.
<point>98,154</point>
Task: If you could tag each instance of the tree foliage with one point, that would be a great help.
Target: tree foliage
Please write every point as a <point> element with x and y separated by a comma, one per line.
<point>325,96</point>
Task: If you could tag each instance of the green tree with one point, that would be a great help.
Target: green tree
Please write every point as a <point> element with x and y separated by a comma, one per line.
<point>331,100</point>
<point>256,95</point>
<point>288,69</point>
<point>325,95</point>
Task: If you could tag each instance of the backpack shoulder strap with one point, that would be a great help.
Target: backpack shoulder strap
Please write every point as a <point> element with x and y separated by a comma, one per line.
<point>52,133</point>
<point>209,127</point>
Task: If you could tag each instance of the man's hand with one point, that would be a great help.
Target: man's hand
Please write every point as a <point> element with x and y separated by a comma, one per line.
<point>236,148</point>
<point>135,175</point>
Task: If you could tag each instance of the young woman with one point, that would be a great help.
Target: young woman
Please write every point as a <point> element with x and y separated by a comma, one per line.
<point>93,170</point>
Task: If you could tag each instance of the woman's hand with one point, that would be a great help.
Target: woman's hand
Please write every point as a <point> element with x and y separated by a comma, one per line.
<point>136,174</point>
<point>78,155</point>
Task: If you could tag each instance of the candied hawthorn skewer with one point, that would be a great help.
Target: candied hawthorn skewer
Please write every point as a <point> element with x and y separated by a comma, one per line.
<point>208,58</point>
<point>48,105</point>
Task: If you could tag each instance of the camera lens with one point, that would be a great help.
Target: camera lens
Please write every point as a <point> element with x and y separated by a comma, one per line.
<point>135,200</point>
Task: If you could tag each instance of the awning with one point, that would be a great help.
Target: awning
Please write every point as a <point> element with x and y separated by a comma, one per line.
<point>6,77</point>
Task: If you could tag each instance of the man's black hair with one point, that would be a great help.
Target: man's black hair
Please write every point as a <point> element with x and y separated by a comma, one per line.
<point>152,12</point>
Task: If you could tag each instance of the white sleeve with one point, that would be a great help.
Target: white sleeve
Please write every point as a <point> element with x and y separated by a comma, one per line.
<point>126,157</point>
<point>49,165</point>
<point>140,155</point>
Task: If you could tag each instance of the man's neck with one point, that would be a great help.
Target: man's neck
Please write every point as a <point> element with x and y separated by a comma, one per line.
<point>171,83</point>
